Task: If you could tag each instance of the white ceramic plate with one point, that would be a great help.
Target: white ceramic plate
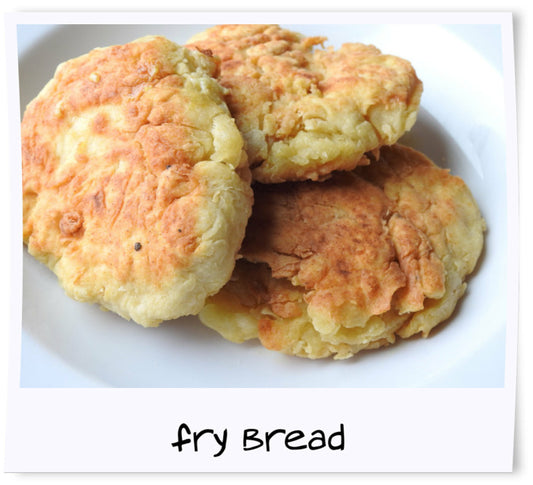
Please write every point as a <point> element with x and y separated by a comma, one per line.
<point>461,126</point>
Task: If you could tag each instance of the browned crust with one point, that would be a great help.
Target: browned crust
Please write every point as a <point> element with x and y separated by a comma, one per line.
<point>335,267</point>
<point>282,85</point>
<point>129,157</point>
<point>342,240</point>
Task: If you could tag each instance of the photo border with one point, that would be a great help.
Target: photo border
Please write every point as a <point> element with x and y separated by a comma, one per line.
<point>72,429</point>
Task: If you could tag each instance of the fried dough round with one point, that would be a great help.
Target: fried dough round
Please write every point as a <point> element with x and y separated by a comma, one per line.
<point>335,267</point>
<point>306,110</point>
<point>136,186</point>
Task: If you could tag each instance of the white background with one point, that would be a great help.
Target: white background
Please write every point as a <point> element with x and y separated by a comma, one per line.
<point>523,440</point>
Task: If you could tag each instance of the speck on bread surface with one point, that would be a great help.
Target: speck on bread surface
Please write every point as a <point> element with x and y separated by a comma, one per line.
<point>306,110</point>
<point>136,188</point>
<point>331,268</point>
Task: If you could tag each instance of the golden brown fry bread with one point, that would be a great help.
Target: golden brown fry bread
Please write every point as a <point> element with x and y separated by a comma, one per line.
<point>334,267</point>
<point>305,110</point>
<point>135,181</point>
